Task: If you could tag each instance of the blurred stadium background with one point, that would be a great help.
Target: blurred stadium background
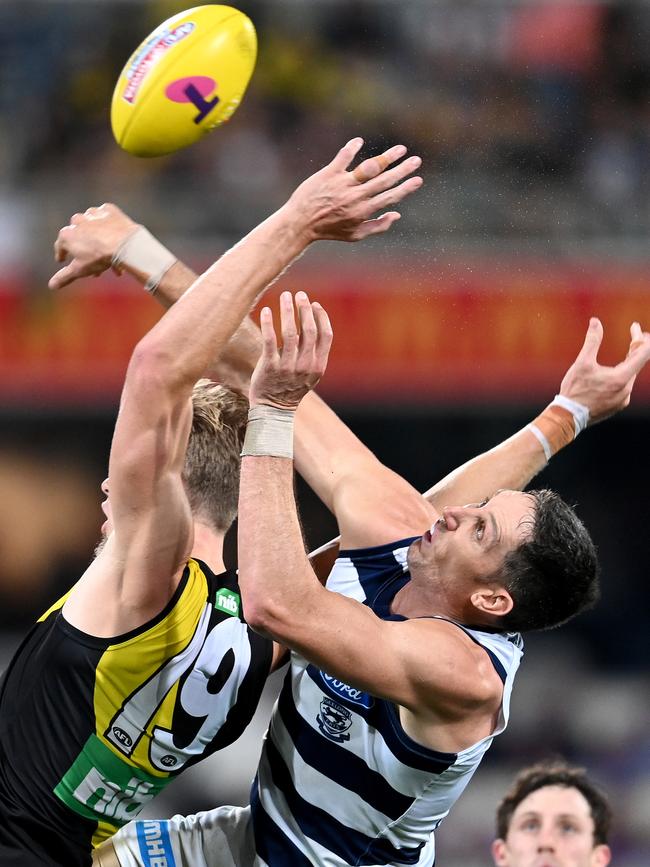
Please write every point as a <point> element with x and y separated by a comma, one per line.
<point>533,119</point>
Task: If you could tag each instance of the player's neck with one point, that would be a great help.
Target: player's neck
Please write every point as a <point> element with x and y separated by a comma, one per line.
<point>421,601</point>
<point>208,547</point>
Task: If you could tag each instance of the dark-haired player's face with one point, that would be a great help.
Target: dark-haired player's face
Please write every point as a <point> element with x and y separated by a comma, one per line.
<point>552,827</point>
<point>471,542</point>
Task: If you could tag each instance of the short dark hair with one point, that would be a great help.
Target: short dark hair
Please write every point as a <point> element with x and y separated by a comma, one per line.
<point>554,574</point>
<point>555,773</point>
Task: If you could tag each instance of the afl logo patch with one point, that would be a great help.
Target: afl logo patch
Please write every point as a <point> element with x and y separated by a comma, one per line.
<point>122,737</point>
<point>334,720</point>
<point>168,761</point>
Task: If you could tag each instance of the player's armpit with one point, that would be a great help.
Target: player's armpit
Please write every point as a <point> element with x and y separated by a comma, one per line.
<point>322,559</point>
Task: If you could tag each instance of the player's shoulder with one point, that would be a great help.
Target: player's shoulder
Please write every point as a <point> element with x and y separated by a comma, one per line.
<point>111,599</point>
<point>464,669</point>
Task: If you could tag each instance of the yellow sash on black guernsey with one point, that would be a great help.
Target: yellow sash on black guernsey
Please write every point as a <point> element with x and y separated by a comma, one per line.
<point>121,766</point>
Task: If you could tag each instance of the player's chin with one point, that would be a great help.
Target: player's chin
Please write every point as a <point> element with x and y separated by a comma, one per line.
<point>102,542</point>
<point>414,550</point>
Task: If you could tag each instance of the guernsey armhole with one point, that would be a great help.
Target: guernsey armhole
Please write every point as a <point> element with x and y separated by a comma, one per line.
<point>97,642</point>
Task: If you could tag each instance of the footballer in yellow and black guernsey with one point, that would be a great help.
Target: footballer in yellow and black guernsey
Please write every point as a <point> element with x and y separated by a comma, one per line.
<point>91,729</point>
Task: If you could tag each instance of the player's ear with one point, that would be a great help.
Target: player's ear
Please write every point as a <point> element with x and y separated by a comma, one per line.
<point>601,856</point>
<point>499,853</point>
<point>495,601</point>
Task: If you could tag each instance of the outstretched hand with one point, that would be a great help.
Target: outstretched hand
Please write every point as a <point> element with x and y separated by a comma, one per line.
<point>90,240</point>
<point>605,390</point>
<point>283,376</point>
<point>339,204</point>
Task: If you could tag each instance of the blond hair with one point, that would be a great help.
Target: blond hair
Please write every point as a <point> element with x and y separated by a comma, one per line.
<point>212,461</point>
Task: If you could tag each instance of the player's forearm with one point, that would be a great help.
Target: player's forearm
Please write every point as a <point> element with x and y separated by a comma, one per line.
<point>511,464</point>
<point>173,284</point>
<point>326,450</point>
<point>237,360</point>
<point>197,328</point>
<point>514,462</point>
<point>275,578</point>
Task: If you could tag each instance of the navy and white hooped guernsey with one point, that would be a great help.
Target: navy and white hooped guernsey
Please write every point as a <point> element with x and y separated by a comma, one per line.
<point>340,782</point>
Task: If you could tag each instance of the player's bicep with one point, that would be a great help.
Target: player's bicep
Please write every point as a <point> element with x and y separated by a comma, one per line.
<point>375,506</point>
<point>372,504</point>
<point>422,665</point>
<point>148,503</point>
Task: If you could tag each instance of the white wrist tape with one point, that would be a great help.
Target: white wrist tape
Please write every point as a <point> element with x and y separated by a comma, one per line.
<point>579,411</point>
<point>269,432</point>
<point>144,253</point>
<point>548,452</point>
<point>559,424</point>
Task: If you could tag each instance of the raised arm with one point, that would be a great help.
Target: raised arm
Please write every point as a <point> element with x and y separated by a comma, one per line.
<point>356,485</point>
<point>345,474</point>
<point>152,527</point>
<point>450,695</point>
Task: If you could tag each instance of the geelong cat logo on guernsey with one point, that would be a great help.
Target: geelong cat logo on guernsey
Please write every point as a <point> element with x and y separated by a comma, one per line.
<point>343,690</point>
<point>334,720</point>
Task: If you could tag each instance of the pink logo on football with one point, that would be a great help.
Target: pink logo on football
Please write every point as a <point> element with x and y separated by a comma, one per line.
<point>180,90</point>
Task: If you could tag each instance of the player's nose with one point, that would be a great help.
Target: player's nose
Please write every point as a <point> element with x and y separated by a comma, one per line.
<point>546,841</point>
<point>453,516</point>
<point>104,487</point>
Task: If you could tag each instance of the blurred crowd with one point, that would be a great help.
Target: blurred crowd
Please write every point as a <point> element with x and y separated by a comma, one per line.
<point>533,118</point>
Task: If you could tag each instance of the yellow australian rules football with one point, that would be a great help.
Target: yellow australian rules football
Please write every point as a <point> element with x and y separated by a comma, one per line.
<point>183,80</point>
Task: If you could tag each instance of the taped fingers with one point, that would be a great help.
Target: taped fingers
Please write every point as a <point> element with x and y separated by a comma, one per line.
<point>374,166</point>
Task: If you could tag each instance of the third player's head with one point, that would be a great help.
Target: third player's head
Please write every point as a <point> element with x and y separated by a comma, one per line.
<point>553,816</point>
<point>518,561</point>
<point>212,460</point>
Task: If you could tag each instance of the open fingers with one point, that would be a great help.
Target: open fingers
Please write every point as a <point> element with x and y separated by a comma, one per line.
<point>308,331</point>
<point>325,335</point>
<point>593,339</point>
<point>269,338</point>
<point>66,275</point>
<point>636,336</point>
<point>387,179</point>
<point>288,327</point>
<point>637,357</point>
<point>393,196</point>
<point>347,153</point>
<point>60,249</point>
<point>370,168</point>
<point>376,226</point>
